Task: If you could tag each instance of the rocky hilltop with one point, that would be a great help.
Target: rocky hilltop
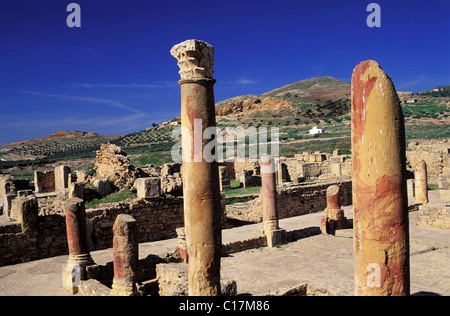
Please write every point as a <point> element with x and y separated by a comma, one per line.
<point>250,105</point>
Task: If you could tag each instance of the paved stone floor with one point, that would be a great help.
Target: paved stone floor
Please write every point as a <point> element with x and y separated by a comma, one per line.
<point>323,262</point>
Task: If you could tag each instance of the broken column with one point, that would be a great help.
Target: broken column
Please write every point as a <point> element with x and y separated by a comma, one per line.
<point>201,190</point>
<point>271,229</point>
<point>126,256</point>
<point>79,256</point>
<point>421,183</point>
<point>334,215</point>
<point>381,232</point>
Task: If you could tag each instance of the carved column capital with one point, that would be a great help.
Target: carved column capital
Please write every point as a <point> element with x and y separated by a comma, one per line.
<point>195,59</point>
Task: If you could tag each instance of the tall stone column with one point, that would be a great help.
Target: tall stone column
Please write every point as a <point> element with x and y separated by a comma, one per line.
<point>201,190</point>
<point>271,228</point>
<point>126,256</point>
<point>381,232</point>
<point>79,254</point>
<point>421,183</point>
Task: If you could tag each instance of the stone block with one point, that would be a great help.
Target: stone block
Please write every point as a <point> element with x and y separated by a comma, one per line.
<point>102,186</point>
<point>71,277</point>
<point>275,237</point>
<point>336,169</point>
<point>76,189</point>
<point>148,188</point>
<point>173,281</point>
<point>444,181</point>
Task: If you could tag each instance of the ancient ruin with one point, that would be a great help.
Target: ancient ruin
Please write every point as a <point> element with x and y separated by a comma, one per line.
<point>380,202</point>
<point>313,223</point>
<point>421,183</point>
<point>334,216</point>
<point>126,256</point>
<point>271,228</point>
<point>201,188</point>
<point>79,254</point>
<point>112,163</point>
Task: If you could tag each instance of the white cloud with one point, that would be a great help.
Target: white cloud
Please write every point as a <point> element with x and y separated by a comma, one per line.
<point>246,81</point>
<point>128,85</point>
<point>107,102</point>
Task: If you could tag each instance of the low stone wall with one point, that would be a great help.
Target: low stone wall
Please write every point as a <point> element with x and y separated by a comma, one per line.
<point>294,200</point>
<point>48,240</point>
<point>157,220</point>
<point>434,216</point>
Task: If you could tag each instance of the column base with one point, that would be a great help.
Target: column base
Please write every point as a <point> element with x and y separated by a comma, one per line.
<point>126,289</point>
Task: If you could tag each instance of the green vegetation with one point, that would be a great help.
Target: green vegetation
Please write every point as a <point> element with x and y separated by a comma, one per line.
<point>433,186</point>
<point>441,91</point>
<point>155,158</point>
<point>237,190</point>
<point>111,198</point>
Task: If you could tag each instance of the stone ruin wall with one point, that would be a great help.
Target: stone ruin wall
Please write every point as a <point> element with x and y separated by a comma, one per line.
<point>294,200</point>
<point>44,181</point>
<point>435,158</point>
<point>156,220</point>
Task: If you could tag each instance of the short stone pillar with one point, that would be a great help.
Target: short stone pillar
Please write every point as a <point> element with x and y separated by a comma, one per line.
<point>25,211</point>
<point>201,188</point>
<point>246,178</point>
<point>410,185</point>
<point>380,202</point>
<point>79,256</point>
<point>126,256</point>
<point>148,188</point>
<point>271,229</point>
<point>8,203</point>
<point>182,247</point>
<point>334,215</point>
<point>62,178</point>
<point>421,183</point>
<point>223,176</point>
<point>76,190</point>
<point>336,169</point>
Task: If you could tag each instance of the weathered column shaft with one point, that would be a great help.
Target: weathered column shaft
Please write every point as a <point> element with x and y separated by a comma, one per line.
<point>201,188</point>
<point>268,189</point>
<point>271,228</point>
<point>76,233</point>
<point>381,233</point>
<point>421,183</point>
<point>126,256</point>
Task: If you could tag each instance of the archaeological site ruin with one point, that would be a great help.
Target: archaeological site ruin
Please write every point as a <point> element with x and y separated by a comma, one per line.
<point>364,224</point>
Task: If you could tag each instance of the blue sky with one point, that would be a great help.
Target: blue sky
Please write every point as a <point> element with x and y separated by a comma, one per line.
<point>115,75</point>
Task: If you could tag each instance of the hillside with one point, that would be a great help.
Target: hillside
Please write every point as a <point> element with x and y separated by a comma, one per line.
<point>294,109</point>
<point>316,89</point>
<point>59,145</point>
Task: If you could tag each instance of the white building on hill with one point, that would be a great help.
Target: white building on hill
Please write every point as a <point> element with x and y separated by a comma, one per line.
<point>316,130</point>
